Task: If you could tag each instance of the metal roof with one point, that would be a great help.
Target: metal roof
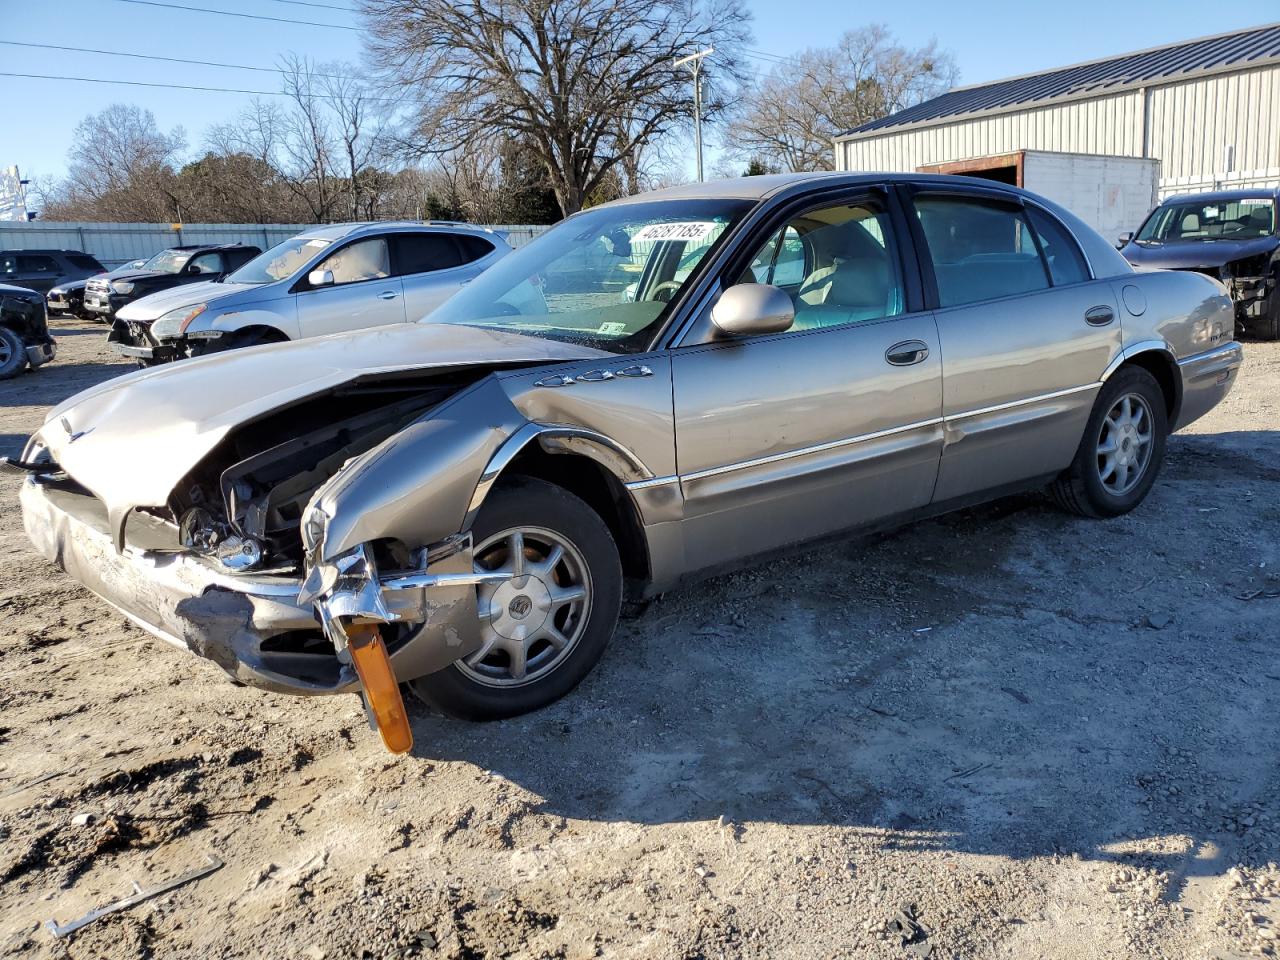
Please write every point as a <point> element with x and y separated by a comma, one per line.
<point>1227,51</point>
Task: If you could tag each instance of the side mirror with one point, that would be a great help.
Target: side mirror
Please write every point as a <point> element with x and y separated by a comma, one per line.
<point>191,270</point>
<point>320,278</point>
<point>1123,240</point>
<point>747,309</point>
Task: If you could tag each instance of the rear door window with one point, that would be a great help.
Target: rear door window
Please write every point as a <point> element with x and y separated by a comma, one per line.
<point>424,252</point>
<point>980,249</point>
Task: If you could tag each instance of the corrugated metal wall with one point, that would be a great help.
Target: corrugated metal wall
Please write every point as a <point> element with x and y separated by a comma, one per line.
<point>1193,123</point>
<point>117,243</point>
<point>1108,125</point>
<point>1190,125</point>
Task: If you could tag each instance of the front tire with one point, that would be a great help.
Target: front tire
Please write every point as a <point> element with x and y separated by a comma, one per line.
<point>13,354</point>
<point>1122,449</point>
<point>548,625</point>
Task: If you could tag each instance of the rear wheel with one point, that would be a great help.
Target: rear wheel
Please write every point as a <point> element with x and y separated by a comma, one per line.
<point>546,626</point>
<point>1122,450</point>
<point>13,354</point>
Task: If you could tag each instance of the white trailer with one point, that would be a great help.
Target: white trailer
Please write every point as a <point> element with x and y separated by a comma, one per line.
<point>1111,194</point>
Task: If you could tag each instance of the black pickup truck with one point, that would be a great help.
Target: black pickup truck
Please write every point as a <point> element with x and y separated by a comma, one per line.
<point>168,268</point>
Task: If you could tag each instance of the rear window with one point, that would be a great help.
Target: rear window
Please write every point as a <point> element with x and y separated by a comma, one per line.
<point>473,248</point>
<point>1066,262</point>
<point>84,261</point>
<point>423,252</point>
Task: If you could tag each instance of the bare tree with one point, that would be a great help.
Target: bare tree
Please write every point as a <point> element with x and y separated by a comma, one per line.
<point>586,83</point>
<point>791,115</point>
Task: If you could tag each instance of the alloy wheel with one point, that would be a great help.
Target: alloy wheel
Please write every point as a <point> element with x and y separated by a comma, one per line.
<point>530,622</point>
<point>1125,444</point>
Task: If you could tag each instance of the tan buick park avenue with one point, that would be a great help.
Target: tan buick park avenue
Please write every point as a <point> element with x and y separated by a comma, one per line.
<point>657,388</point>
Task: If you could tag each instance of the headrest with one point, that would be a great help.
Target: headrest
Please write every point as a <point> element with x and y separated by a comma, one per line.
<point>859,282</point>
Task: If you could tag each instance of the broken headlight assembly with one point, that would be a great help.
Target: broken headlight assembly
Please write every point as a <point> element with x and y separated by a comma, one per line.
<point>174,324</point>
<point>200,532</point>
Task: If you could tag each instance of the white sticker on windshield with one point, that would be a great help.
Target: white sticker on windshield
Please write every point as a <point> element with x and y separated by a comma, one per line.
<point>1253,202</point>
<point>690,230</point>
<point>612,328</point>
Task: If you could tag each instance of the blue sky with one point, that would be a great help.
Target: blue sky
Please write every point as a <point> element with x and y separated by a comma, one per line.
<point>988,40</point>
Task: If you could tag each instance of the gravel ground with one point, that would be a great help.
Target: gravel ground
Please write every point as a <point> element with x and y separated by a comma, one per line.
<point>1004,733</point>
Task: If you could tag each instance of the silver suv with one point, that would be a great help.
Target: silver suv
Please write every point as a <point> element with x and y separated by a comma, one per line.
<point>326,280</point>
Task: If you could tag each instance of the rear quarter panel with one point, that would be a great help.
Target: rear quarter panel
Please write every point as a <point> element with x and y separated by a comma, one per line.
<point>1191,317</point>
<point>1187,311</point>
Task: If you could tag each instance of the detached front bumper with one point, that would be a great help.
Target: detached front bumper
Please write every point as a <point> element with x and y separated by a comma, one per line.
<point>251,626</point>
<point>130,338</point>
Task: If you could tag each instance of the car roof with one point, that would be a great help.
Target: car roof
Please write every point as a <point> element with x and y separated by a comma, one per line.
<point>211,246</point>
<point>769,185</point>
<point>1219,196</point>
<point>340,231</point>
<point>46,250</point>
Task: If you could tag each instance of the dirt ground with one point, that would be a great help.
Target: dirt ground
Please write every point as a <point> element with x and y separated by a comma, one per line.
<point>1006,733</point>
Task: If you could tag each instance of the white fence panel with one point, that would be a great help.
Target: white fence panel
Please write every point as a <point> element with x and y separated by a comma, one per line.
<point>117,243</point>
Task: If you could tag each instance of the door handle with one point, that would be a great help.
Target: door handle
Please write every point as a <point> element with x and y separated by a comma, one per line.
<point>636,370</point>
<point>907,352</point>
<point>387,295</point>
<point>595,376</point>
<point>1099,316</point>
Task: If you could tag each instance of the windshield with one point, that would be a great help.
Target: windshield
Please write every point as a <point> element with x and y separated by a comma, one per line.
<point>1246,219</point>
<point>168,261</point>
<point>280,262</point>
<point>604,277</point>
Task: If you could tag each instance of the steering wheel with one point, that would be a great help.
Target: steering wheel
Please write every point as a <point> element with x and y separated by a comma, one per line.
<point>666,286</point>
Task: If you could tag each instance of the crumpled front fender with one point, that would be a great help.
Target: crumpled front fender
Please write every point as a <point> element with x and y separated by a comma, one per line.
<point>417,486</point>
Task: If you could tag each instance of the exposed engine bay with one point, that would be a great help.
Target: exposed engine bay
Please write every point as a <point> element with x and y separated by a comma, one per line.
<point>243,504</point>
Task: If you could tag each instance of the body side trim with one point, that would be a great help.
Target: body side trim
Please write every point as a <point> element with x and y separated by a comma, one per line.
<point>805,451</point>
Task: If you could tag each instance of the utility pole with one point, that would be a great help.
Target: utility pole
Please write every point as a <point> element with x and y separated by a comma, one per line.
<point>694,63</point>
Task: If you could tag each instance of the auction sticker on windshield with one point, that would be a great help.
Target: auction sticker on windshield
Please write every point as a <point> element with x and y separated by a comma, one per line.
<point>690,230</point>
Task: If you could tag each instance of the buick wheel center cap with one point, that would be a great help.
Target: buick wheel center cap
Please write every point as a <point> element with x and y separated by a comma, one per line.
<point>519,607</point>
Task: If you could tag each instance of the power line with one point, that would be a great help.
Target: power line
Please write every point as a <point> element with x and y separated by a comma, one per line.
<point>246,16</point>
<point>307,3</point>
<point>185,86</point>
<point>147,56</point>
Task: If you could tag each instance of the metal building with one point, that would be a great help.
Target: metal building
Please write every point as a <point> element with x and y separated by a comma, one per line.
<point>1207,109</point>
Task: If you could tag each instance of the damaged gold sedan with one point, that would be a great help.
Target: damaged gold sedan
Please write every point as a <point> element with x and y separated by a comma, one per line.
<point>656,389</point>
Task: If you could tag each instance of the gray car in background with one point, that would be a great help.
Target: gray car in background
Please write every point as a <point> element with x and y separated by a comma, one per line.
<point>327,280</point>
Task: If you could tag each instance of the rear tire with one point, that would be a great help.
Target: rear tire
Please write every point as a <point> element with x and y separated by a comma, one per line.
<point>1122,449</point>
<point>13,354</point>
<point>541,645</point>
<point>1269,327</point>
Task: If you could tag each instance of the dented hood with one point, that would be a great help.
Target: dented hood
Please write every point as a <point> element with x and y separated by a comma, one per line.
<point>130,440</point>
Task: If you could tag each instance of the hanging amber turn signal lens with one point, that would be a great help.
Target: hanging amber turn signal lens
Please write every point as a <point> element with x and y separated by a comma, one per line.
<point>373,666</point>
